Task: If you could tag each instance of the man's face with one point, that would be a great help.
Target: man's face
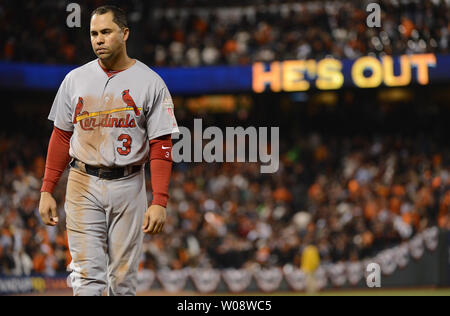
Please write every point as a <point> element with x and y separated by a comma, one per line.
<point>107,38</point>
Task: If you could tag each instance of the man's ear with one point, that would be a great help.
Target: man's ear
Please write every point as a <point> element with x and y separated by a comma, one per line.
<point>126,33</point>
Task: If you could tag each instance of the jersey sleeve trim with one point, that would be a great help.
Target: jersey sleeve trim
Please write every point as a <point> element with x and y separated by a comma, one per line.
<point>64,128</point>
<point>164,132</point>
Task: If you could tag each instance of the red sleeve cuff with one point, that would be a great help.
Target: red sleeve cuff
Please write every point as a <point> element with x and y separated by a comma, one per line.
<point>48,185</point>
<point>160,173</point>
<point>160,169</point>
<point>161,148</point>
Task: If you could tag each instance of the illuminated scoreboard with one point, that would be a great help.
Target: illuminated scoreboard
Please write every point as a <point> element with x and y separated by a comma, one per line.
<point>332,74</point>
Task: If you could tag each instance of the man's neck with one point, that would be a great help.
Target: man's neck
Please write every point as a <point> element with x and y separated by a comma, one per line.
<point>121,62</point>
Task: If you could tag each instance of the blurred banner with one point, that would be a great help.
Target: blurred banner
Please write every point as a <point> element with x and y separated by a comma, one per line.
<point>32,284</point>
<point>419,262</point>
<point>448,258</point>
<point>278,76</point>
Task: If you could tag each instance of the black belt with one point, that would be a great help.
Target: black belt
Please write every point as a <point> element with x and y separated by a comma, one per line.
<point>105,173</point>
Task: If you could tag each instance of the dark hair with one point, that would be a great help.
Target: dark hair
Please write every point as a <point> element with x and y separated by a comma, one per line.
<point>119,16</point>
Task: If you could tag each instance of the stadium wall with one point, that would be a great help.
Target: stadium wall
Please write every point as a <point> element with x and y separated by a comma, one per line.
<point>427,265</point>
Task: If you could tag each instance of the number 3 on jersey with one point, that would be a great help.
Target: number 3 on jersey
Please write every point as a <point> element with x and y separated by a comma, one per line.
<point>126,144</point>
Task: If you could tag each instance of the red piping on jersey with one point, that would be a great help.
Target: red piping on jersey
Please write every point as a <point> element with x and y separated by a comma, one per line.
<point>109,73</point>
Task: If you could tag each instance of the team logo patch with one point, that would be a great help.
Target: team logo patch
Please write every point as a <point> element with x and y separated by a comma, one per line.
<point>78,109</point>
<point>167,102</point>
<point>89,124</point>
<point>126,97</point>
<point>91,120</point>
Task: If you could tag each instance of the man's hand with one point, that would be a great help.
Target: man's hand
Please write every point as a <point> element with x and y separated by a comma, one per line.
<point>154,220</point>
<point>47,209</point>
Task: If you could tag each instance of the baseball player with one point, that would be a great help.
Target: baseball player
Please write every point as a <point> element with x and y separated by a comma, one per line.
<point>110,116</point>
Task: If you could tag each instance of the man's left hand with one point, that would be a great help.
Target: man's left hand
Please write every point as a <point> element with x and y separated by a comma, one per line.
<point>154,220</point>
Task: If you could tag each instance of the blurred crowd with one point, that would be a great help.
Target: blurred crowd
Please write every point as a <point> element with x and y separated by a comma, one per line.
<point>350,196</point>
<point>195,33</point>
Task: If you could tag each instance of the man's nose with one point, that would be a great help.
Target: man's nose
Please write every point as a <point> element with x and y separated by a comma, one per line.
<point>100,40</point>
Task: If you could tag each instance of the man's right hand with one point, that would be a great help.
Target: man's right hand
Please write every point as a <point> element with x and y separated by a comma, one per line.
<point>47,209</point>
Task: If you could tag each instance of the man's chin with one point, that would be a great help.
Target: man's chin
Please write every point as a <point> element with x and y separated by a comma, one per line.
<point>103,56</point>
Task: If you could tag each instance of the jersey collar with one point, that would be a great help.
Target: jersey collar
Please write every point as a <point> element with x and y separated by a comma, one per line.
<point>110,73</point>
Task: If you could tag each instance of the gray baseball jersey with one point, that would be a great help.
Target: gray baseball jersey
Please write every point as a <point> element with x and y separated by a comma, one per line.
<point>112,119</point>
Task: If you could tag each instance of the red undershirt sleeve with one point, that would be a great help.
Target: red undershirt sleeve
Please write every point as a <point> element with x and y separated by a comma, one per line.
<point>161,168</point>
<point>57,158</point>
